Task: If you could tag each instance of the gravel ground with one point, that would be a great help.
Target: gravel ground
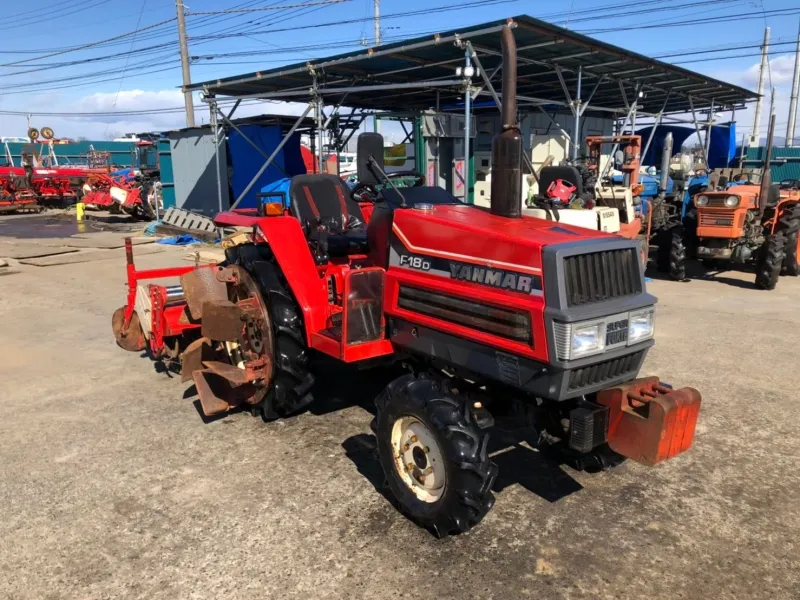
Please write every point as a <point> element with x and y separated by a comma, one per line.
<point>113,486</point>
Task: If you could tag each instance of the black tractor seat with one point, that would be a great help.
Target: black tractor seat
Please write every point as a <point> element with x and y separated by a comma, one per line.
<point>331,219</point>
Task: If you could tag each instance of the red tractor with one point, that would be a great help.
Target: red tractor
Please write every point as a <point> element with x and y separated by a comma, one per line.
<point>483,307</point>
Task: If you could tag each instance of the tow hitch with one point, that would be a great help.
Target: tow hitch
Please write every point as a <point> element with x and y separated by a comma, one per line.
<point>649,422</point>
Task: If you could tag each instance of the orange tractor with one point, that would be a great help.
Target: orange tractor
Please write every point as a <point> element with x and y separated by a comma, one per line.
<point>740,223</point>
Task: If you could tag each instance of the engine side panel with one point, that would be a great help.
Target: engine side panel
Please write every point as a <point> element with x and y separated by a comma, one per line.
<point>462,297</point>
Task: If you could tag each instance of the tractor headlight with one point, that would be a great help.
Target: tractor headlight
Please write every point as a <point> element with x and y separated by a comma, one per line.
<point>701,201</point>
<point>641,325</point>
<point>732,201</point>
<point>587,339</point>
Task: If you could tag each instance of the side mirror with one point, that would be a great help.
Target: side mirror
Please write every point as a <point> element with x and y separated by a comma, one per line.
<point>369,145</point>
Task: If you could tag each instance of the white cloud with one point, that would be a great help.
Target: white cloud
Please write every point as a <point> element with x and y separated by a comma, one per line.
<point>101,127</point>
<point>781,71</point>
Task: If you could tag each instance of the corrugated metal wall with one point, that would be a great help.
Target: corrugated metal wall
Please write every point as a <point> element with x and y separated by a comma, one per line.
<point>194,170</point>
<point>780,170</point>
<point>75,153</point>
<point>536,123</point>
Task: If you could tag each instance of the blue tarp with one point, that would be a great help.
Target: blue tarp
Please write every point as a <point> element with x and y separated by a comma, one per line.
<point>720,154</point>
<point>180,240</point>
<point>246,160</point>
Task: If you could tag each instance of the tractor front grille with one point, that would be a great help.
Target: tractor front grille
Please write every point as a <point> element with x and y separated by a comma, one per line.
<point>600,276</point>
<point>716,218</point>
<point>717,201</point>
<point>605,371</point>
<point>502,322</point>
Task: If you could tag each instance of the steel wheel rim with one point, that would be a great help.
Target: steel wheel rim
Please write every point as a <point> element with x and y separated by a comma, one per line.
<point>256,340</point>
<point>418,459</point>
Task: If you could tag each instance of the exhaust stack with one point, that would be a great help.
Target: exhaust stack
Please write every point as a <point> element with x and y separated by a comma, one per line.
<point>766,177</point>
<point>666,155</point>
<point>506,198</point>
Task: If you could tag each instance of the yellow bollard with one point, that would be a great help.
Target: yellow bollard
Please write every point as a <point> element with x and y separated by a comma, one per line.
<point>80,208</point>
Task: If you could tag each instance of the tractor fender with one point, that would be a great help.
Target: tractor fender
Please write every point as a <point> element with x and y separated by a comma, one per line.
<point>293,256</point>
<point>781,209</point>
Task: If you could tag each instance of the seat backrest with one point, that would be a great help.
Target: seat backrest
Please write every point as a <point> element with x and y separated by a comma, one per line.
<point>324,200</point>
<point>568,173</point>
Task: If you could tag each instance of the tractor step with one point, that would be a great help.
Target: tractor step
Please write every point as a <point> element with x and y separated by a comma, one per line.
<point>335,332</point>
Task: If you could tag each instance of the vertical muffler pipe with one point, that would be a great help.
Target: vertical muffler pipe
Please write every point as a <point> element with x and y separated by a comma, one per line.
<point>506,198</point>
<point>766,177</point>
<point>666,155</point>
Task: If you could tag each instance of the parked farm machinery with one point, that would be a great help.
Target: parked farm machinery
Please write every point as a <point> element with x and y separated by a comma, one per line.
<point>36,188</point>
<point>483,308</point>
<point>582,193</point>
<point>135,195</point>
<point>737,222</point>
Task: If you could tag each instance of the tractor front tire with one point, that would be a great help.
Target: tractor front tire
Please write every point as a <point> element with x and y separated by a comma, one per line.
<point>789,224</point>
<point>433,454</point>
<point>289,390</point>
<point>770,261</point>
<point>672,252</point>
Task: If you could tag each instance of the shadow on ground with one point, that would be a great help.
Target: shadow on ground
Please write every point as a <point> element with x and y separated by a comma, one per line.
<point>697,271</point>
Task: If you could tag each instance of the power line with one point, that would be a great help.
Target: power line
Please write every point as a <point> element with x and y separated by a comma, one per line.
<point>263,8</point>
<point>716,19</point>
<point>128,57</point>
<point>56,13</point>
<point>423,11</point>
<point>90,45</point>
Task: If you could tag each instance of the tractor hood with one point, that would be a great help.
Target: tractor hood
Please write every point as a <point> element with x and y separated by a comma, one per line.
<point>467,234</point>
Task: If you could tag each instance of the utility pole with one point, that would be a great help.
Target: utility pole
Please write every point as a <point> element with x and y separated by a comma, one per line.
<point>764,66</point>
<point>377,20</point>
<point>187,77</point>
<point>376,124</point>
<point>793,99</point>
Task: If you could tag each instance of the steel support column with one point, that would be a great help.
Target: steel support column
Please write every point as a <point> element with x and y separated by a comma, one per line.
<point>467,117</point>
<point>696,125</point>
<point>708,131</point>
<point>576,111</point>
<point>656,123</point>
<point>212,106</point>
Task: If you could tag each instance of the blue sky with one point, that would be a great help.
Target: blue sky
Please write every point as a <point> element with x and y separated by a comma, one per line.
<point>150,78</point>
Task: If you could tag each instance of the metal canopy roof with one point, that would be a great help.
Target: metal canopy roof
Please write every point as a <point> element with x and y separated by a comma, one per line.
<point>411,74</point>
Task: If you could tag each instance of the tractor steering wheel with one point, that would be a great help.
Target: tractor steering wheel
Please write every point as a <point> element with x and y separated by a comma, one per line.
<point>368,192</point>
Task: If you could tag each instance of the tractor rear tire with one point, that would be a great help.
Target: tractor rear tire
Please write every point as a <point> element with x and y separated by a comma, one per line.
<point>460,492</point>
<point>789,224</point>
<point>289,390</point>
<point>770,261</point>
<point>677,255</point>
<point>672,252</point>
